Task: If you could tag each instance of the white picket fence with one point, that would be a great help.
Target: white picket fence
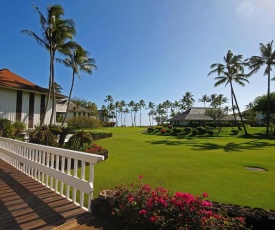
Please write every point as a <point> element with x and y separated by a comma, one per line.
<point>68,173</point>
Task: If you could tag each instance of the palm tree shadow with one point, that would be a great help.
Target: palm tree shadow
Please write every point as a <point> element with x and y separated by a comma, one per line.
<point>233,147</point>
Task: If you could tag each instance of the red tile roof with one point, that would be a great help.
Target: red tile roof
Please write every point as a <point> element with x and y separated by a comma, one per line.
<point>9,79</point>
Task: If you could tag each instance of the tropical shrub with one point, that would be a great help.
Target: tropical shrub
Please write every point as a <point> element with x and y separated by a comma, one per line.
<point>80,141</point>
<point>100,135</point>
<point>210,132</point>
<point>42,135</point>
<point>82,122</point>
<point>201,130</point>
<point>194,124</point>
<point>158,128</point>
<point>187,130</point>
<point>18,127</point>
<point>195,132</point>
<point>176,130</point>
<point>5,128</point>
<point>150,129</point>
<point>141,207</point>
<point>163,131</point>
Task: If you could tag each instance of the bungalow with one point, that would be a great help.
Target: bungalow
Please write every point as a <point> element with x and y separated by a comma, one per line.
<point>195,114</point>
<point>73,111</point>
<point>22,100</point>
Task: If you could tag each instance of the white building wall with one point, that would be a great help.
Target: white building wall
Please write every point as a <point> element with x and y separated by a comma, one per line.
<point>8,104</point>
<point>36,115</point>
<point>25,108</point>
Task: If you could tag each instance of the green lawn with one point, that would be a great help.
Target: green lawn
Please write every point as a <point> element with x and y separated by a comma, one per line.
<point>214,165</point>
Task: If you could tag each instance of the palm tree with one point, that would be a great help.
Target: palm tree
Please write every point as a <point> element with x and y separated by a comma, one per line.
<point>167,105</point>
<point>141,105</point>
<point>126,111</point>
<point>55,32</point>
<point>266,58</point>
<point>187,100</point>
<point>151,106</point>
<point>57,88</point>
<point>121,109</point>
<point>176,106</point>
<point>232,70</point>
<point>213,100</point>
<point>104,112</point>
<point>132,105</point>
<point>204,98</point>
<point>221,99</point>
<point>77,60</point>
<point>117,106</point>
<point>109,99</point>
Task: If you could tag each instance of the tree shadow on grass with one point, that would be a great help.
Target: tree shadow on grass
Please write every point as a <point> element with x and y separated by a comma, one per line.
<point>228,147</point>
<point>231,146</point>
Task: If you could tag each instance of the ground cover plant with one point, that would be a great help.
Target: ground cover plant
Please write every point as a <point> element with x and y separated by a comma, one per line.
<point>215,165</point>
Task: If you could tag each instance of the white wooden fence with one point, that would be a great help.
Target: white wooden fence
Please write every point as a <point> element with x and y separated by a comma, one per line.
<point>68,173</point>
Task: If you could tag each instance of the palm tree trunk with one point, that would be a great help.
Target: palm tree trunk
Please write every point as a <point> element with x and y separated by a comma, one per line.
<point>140,117</point>
<point>268,103</point>
<point>132,117</point>
<point>232,102</point>
<point>52,120</point>
<point>47,102</point>
<point>69,99</point>
<point>245,131</point>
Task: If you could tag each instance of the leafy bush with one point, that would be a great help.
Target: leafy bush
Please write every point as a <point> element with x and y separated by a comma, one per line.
<point>80,141</point>
<point>109,124</point>
<point>97,149</point>
<point>82,122</point>
<point>187,130</point>
<point>201,130</point>
<point>163,131</point>
<point>150,129</point>
<point>5,128</point>
<point>158,128</point>
<point>43,135</point>
<point>18,127</point>
<point>170,126</point>
<point>210,132</point>
<point>141,207</point>
<point>176,130</point>
<point>100,135</point>
<point>168,131</point>
<point>195,132</point>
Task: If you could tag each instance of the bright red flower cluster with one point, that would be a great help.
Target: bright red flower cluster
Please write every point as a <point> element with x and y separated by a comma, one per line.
<point>95,149</point>
<point>141,206</point>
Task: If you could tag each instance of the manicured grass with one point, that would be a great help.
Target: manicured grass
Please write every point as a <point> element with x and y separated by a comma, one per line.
<point>214,165</point>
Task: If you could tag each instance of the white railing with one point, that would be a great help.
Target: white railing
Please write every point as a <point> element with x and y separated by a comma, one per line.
<point>68,173</point>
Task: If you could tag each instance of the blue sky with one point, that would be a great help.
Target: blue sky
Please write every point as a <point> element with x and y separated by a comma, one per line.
<point>144,49</point>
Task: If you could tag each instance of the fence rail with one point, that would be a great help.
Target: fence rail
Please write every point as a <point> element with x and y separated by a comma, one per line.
<point>68,173</point>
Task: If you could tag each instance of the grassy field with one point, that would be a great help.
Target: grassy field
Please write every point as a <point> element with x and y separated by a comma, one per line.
<point>214,165</point>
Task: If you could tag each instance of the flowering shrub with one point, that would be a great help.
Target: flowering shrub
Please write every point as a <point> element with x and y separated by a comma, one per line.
<point>141,207</point>
<point>170,126</point>
<point>163,131</point>
<point>95,149</point>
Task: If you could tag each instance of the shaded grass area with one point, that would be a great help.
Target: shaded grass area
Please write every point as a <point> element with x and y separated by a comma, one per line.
<point>215,165</point>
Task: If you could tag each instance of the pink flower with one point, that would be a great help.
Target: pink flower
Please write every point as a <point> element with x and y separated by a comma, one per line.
<point>142,212</point>
<point>131,199</point>
<point>153,218</point>
<point>140,176</point>
<point>205,194</point>
<point>206,203</point>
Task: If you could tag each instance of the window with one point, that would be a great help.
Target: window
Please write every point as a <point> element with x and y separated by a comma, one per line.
<point>31,110</point>
<point>18,105</point>
<point>42,107</point>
